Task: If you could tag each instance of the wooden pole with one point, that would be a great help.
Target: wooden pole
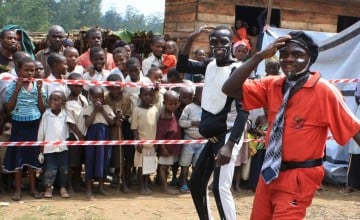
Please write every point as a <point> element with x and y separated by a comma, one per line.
<point>269,9</point>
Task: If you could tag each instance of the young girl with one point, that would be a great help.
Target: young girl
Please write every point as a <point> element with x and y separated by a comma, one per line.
<point>98,118</point>
<point>25,102</point>
<point>121,106</point>
<point>75,104</point>
<point>143,124</point>
<point>53,127</point>
<point>168,128</point>
<point>120,57</point>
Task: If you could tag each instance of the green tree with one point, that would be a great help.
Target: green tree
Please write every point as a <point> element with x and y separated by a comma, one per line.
<point>112,20</point>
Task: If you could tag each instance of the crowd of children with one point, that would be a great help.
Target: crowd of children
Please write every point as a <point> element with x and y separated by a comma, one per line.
<point>59,112</point>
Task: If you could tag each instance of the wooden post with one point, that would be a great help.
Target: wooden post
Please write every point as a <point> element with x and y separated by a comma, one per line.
<point>269,9</point>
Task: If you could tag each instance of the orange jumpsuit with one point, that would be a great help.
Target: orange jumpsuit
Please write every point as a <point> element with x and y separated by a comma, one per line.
<point>311,112</point>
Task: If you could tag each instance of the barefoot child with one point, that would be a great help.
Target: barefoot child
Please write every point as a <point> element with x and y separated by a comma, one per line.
<point>25,102</point>
<point>75,104</point>
<point>121,106</point>
<point>53,127</point>
<point>143,124</point>
<point>98,118</point>
<point>168,128</point>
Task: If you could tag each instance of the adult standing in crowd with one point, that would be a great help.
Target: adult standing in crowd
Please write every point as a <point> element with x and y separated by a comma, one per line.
<point>94,38</point>
<point>302,108</point>
<point>8,47</point>
<point>55,38</point>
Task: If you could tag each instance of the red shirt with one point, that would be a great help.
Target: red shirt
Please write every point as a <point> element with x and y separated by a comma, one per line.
<point>84,60</point>
<point>311,112</point>
<point>168,129</point>
<point>168,62</point>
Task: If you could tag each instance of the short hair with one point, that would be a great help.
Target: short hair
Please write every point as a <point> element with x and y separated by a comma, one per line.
<point>61,94</point>
<point>156,39</point>
<point>74,75</point>
<point>95,50</point>
<point>91,31</point>
<point>132,61</point>
<point>142,89</point>
<point>66,51</point>
<point>113,77</point>
<point>3,33</point>
<point>120,50</point>
<point>20,54</point>
<point>55,58</point>
<point>118,43</point>
<point>173,73</point>
<point>218,28</point>
<point>152,69</point>
<point>24,60</point>
<point>96,89</point>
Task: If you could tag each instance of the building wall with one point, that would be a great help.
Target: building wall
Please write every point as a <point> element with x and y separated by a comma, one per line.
<point>182,17</point>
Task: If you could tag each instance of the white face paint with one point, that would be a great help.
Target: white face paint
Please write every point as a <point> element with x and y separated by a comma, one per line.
<point>291,75</point>
<point>300,60</point>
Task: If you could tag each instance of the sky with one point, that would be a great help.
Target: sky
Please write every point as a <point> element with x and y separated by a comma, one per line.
<point>145,7</point>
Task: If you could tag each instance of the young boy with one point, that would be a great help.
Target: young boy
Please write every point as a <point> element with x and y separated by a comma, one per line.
<point>134,75</point>
<point>53,128</point>
<point>97,58</point>
<point>144,124</point>
<point>189,121</point>
<point>72,55</point>
<point>168,128</point>
<point>121,105</point>
<point>39,70</point>
<point>58,66</point>
<point>75,104</point>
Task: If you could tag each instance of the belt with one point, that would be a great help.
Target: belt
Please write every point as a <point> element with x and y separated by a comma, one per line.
<point>304,164</point>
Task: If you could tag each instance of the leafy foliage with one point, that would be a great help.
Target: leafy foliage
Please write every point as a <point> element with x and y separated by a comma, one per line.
<point>39,15</point>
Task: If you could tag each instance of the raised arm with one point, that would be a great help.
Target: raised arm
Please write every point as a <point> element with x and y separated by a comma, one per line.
<point>232,86</point>
<point>184,65</point>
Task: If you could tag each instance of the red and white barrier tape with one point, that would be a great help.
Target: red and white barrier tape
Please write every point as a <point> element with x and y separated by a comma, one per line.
<point>105,83</point>
<point>115,142</point>
<point>131,84</point>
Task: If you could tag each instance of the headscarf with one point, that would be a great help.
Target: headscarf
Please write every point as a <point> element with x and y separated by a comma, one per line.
<point>305,41</point>
<point>243,42</point>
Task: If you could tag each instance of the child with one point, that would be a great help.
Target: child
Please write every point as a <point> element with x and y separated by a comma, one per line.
<point>158,58</point>
<point>171,48</point>
<point>4,137</point>
<point>134,75</point>
<point>72,54</point>
<point>143,124</point>
<point>58,66</point>
<point>121,106</point>
<point>98,118</point>
<point>258,150</point>
<point>241,50</point>
<point>272,67</point>
<point>39,70</point>
<point>189,120</point>
<point>53,127</point>
<point>75,104</point>
<point>120,57</point>
<point>97,58</point>
<point>25,102</point>
<point>168,128</point>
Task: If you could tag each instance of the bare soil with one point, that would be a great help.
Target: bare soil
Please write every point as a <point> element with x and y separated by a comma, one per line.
<point>328,204</point>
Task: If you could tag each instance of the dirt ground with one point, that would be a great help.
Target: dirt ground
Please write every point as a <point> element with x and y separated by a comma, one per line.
<point>328,204</point>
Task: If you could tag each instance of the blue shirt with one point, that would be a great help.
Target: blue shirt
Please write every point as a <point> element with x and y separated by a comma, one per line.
<point>26,107</point>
